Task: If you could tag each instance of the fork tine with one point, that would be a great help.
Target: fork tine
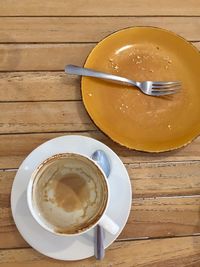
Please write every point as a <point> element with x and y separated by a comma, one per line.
<point>163,93</point>
<point>166,83</point>
<point>164,89</point>
<point>166,86</point>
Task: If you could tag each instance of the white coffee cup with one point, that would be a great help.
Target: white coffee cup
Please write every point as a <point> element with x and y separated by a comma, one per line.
<point>68,194</point>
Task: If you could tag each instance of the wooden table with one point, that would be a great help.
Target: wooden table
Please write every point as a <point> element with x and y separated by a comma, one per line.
<point>39,102</point>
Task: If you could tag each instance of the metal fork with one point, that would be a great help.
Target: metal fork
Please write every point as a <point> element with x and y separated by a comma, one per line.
<point>153,88</point>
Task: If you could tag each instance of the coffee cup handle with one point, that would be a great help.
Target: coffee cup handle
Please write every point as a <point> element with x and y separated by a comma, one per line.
<point>108,224</point>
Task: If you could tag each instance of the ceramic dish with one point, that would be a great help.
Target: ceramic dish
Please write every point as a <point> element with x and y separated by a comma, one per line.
<point>74,247</point>
<point>126,115</point>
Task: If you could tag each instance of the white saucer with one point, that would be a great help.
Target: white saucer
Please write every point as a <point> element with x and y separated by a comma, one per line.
<point>69,248</point>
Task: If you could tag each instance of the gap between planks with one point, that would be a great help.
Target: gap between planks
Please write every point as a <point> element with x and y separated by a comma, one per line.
<point>101,16</point>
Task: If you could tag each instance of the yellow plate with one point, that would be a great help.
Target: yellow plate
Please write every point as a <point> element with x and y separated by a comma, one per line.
<point>126,115</point>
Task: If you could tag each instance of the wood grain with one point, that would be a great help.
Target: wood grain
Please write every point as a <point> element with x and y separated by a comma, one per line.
<point>46,116</point>
<point>37,40</point>
<point>87,29</point>
<point>149,217</point>
<point>20,145</point>
<point>28,57</point>
<point>38,86</point>
<point>182,252</point>
<point>42,56</point>
<point>94,8</point>
<point>165,178</point>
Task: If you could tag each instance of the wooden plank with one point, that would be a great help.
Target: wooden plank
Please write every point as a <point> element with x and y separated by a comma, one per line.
<point>170,252</point>
<point>94,8</point>
<point>8,231</point>
<point>165,178</point>
<point>42,57</point>
<point>19,57</point>
<point>20,145</point>
<point>43,116</point>
<point>38,86</point>
<point>56,29</point>
<point>161,217</point>
<point>149,217</point>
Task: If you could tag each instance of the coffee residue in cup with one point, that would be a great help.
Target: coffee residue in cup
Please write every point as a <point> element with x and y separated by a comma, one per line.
<point>70,192</point>
<point>70,195</point>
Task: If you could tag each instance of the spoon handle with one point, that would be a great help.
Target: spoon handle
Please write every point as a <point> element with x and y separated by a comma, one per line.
<point>99,243</point>
<point>102,160</point>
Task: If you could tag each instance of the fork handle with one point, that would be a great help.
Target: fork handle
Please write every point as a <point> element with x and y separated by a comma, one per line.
<point>72,69</point>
